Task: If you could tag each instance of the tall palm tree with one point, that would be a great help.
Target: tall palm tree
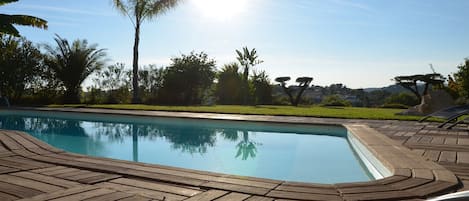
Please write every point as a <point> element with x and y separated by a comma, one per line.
<point>138,11</point>
<point>73,63</point>
<point>7,21</point>
<point>247,59</point>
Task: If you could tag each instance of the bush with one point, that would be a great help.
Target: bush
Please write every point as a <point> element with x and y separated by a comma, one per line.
<point>401,99</point>
<point>335,100</point>
<point>186,79</point>
<point>395,106</point>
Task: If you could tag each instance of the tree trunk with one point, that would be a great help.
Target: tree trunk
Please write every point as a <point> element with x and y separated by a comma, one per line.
<point>245,85</point>
<point>135,97</point>
<point>298,96</point>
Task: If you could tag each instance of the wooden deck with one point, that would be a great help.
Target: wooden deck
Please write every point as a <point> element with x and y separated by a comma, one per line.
<point>436,163</point>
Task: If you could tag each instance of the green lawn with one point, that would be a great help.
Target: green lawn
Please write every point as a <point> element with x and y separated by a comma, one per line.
<point>313,111</point>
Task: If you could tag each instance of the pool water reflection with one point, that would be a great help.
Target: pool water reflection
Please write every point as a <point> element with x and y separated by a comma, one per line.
<point>319,154</point>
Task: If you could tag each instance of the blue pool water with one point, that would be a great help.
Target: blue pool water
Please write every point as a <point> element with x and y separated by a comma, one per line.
<point>319,154</point>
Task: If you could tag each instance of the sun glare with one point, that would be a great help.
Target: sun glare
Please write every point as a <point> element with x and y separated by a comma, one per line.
<point>221,9</point>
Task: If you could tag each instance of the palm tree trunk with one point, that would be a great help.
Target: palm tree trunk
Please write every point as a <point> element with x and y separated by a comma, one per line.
<point>135,98</point>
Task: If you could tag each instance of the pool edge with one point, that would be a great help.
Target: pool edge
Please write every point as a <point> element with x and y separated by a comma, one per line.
<point>401,161</point>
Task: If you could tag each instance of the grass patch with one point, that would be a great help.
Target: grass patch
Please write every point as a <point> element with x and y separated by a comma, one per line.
<point>305,111</point>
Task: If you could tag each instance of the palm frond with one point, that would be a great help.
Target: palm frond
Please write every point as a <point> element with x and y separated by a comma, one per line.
<point>27,20</point>
<point>3,2</point>
<point>156,8</point>
<point>9,29</point>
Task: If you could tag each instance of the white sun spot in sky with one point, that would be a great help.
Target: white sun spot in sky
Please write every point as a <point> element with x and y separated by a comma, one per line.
<point>221,10</point>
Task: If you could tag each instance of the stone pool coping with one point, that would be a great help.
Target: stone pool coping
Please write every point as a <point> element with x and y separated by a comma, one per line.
<point>413,177</point>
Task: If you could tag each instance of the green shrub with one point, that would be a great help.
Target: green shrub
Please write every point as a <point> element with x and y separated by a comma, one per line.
<point>395,106</point>
<point>401,99</point>
<point>335,100</point>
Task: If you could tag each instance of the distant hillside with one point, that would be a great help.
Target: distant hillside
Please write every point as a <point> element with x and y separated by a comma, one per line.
<point>393,89</point>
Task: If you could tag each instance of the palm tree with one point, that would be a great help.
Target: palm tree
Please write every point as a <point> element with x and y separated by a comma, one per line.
<point>138,11</point>
<point>7,21</point>
<point>247,59</point>
<point>72,64</point>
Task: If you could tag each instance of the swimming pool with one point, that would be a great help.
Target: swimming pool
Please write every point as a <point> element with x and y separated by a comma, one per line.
<point>319,154</point>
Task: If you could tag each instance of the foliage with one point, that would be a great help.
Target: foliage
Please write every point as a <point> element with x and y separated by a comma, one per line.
<point>262,88</point>
<point>411,83</point>
<point>402,98</point>
<point>186,79</point>
<point>151,80</point>
<point>115,80</point>
<point>462,79</point>
<point>335,100</point>
<point>138,11</point>
<point>377,97</point>
<point>395,106</point>
<point>228,86</point>
<point>303,84</point>
<point>248,59</point>
<point>20,66</point>
<point>7,21</point>
<point>72,64</point>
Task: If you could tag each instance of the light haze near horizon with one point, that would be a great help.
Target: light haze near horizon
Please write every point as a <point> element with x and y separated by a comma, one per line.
<point>360,43</point>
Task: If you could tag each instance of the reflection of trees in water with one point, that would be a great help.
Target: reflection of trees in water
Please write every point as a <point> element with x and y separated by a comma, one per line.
<point>187,139</point>
<point>42,126</point>
<point>52,130</point>
<point>184,138</point>
<point>246,147</point>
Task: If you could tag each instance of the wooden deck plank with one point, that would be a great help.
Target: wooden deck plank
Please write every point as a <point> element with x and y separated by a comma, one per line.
<point>47,179</point>
<point>157,186</point>
<point>40,143</point>
<point>368,189</point>
<point>85,195</point>
<point>233,197</point>
<point>136,198</point>
<point>390,195</point>
<point>4,170</point>
<point>463,158</point>
<point>59,171</point>
<point>60,194</point>
<point>237,188</point>
<point>410,183</point>
<point>196,177</point>
<point>432,188</point>
<point>98,178</point>
<point>26,161</point>
<point>18,191</point>
<point>448,156</point>
<point>40,186</point>
<point>110,197</point>
<point>21,140</point>
<point>7,197</point>
<point>48,169</point>
<point>207,196</point>
<point>13,164</point>
<point>302,196</point>
<point>9,143</point>
<point>432,154</point>
<point>246,182</point>
<point>329,191</point>
<point>259,198</point>
<point>141,191</point>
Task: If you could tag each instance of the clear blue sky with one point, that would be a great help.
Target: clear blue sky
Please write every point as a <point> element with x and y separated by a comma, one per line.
<point>361,43</point>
